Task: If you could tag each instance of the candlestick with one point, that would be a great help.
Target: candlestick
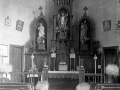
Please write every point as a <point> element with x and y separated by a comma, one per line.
<point>95,58</point>
<point>32,57</point>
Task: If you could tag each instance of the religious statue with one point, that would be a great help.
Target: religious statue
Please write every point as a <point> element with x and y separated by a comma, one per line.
<point>62,20</point>
<point>41,35</point>
<point>83,35</point>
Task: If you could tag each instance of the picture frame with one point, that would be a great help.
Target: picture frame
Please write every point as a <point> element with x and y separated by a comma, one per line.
<point>118,26</point>
<point>7,21</point>
<point>19,25</point>
<point>107,25</point>
<point>4,50</point>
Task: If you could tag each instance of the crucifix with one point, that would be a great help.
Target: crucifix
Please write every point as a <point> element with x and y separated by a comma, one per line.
<point>40,8</point>
<point>85,8</point>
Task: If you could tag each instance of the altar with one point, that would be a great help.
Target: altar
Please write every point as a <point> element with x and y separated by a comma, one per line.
<point>71,75</point>
<point>63,74</point>
<point>63,80</point>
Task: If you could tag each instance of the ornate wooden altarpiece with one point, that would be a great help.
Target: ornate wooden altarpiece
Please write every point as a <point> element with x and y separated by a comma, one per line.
<point>87,44</point>
<point>41,32</point>
<point>62,33</point>
<point>86,32</point>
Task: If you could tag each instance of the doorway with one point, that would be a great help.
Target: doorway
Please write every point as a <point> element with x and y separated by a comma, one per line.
<point>16,57</point>
<point>110,56</point>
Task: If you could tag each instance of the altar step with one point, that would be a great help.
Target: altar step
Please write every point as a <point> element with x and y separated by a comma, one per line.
<point>62,83</point>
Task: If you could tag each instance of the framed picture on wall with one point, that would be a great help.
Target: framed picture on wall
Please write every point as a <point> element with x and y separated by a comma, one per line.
<point>4,50</point>
<point>7,21</point>
<point>107,25</point>
<point>118,26</point>
<point>19,25</point>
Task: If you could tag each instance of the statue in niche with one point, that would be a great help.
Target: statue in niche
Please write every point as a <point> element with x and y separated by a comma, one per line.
<point>62,20</point>
<point>83,35</point>
<point>41,35</point>
<point>62,28</point>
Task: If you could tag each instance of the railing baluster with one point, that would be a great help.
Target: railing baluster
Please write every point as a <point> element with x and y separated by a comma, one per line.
<point>98,79</point>
<point>93,79</point>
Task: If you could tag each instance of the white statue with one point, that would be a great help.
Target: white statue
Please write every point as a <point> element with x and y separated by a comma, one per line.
<point>41,36</point>
<point>41,30</point>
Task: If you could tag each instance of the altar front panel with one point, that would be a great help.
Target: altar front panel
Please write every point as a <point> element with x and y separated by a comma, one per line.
<point>63,74</point>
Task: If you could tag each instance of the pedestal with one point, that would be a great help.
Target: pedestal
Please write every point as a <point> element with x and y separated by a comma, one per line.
<point>81,75</point>
<point>72,57</point>
<point>41,46</point>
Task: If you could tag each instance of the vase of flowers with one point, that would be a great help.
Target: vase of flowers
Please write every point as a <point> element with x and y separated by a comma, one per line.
<point>112,71</point>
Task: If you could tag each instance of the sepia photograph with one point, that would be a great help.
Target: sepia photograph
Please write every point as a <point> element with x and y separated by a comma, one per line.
<point>60,45</point>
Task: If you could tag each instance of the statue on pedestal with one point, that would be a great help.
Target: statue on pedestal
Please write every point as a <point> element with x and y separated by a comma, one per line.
<point>83,35</point>
<point>41,37</point>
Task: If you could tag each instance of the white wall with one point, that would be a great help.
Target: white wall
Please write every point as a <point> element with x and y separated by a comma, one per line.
<point>18,10</point>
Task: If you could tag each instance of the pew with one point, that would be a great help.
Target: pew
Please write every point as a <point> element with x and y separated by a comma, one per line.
<point>15,86</point>
<point>105,86</point>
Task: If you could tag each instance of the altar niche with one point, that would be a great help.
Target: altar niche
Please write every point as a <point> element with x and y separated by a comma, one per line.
<point>41,35</point>
<point>85,34</point>
<point>62,24</point>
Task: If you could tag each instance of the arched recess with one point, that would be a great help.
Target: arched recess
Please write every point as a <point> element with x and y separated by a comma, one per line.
<point>86,28</point>
<point>67,16</point>
<point>41,19</point>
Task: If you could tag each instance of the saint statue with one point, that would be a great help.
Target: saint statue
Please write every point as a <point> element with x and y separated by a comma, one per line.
<point>62,20</point>
<point>41,35</point>
<point>83,35</point>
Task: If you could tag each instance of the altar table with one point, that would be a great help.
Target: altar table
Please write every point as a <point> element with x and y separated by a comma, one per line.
<point>63,74</point>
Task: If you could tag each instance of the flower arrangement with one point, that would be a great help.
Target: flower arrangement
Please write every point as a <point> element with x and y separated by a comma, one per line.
<point>42,85</point>
<point>29,45</point>
<point>112,70</point>
<point>41,40</point>
<point>83,86</point>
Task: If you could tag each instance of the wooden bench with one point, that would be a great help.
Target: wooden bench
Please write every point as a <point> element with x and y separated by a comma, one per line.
<point>105,86</point>
<point>14,86</point>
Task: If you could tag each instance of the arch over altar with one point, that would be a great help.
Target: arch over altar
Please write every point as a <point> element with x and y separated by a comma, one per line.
<point>86,32</point>
<point>41,26</point>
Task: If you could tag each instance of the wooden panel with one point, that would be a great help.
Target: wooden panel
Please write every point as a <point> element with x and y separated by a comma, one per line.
<point>62,83</point>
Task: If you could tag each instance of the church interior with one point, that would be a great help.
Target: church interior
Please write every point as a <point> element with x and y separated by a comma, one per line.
<point>70,44</point>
